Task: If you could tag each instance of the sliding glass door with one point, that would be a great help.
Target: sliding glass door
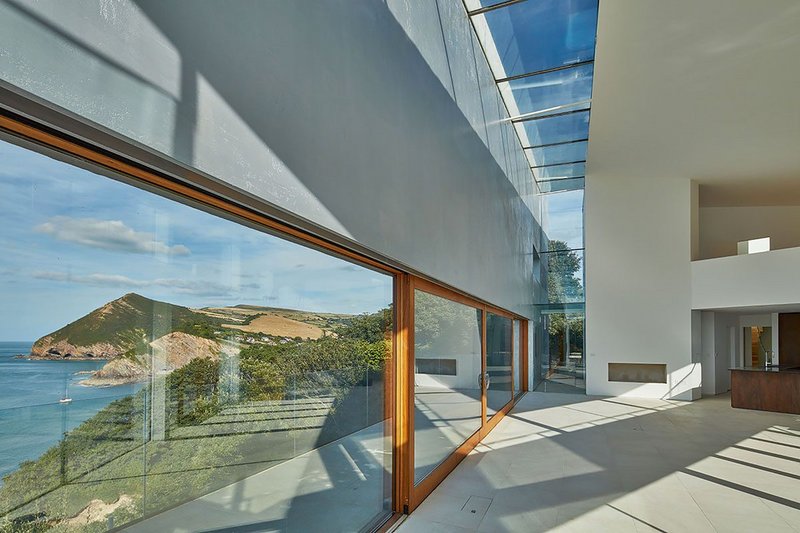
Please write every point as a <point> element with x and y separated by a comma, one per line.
<point>173,362</point>
<point>447,378</point>
<point>465,372</point>
<point>499,383</point>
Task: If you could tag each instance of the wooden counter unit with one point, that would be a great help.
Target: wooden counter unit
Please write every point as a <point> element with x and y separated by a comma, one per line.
<point>766,389</point>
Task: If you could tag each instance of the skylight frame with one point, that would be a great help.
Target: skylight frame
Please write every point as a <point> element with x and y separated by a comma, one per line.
<point>486,39</point>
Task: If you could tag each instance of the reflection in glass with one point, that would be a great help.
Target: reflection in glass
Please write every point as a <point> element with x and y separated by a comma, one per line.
<point>498,362</point>
<point>552,89</point>
<point>517,358</point>
<point>564,274</point>
<point>180,369</point>
<point>557,129</point>
<point>543,34</point>
<point>560,153</point>
<point>447,379</point>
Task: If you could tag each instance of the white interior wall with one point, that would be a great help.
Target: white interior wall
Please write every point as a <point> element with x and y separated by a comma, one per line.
<point>763,279</point>
<point>722,350</point>
<point>695,221</point>
<point>709,353</point>
<point>638,284</point>
<point>720,228</point>
<point>776,357</point>
<point>724,342</point>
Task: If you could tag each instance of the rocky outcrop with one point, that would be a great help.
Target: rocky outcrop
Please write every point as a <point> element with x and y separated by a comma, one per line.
<point>97,511</point>
<point>117,372</point>
<point>120,327</point>
<point>175,350</point>
<point>167,353</point>
<point>45,348</point>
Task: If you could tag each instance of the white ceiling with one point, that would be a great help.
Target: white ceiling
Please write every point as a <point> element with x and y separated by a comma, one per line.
<point>701,89</point>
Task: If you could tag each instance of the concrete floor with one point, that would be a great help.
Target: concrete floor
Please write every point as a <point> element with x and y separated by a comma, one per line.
<point>562,462</point>
<point>443,420</point>
<point>333,488</point>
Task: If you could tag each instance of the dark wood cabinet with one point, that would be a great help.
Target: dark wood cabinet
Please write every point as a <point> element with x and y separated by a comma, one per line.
<point>789,339</point>
<point>766,390</point>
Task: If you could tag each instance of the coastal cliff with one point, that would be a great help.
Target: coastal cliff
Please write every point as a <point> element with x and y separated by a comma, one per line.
<point>134,334</point>
<point>170,352</point>
<point>140,337</point>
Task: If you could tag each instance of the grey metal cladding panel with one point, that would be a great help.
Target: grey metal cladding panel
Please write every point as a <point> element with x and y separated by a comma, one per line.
<point>324,109</point>
<point>489,99</point>
<point>421,21</point>
<point>458,41</point>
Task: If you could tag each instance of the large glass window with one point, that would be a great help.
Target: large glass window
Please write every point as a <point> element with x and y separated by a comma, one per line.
<point>174,370</point>
<point>498,362</point>
<point>564,275</point>
<point>564,358</point>
<point>562,214</point>
<point>517,357</point>
<point>447,378</point>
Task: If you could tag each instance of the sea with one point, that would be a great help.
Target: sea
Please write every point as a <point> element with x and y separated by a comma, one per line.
<point>31,417</point>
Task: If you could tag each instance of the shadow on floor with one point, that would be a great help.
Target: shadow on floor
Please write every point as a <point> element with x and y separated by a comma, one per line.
<point>618,464</point>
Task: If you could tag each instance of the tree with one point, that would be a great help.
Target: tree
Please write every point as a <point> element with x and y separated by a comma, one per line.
<point>564,285</point>
<point>373,327</point>
<point>563,265</point>
<point>442,327</point>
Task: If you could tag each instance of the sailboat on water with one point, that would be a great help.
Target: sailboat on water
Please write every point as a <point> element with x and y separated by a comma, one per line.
<point>65,398</point>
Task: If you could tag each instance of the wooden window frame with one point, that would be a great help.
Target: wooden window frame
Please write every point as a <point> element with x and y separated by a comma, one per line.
<point>414,494</point>
<point>399,381</point>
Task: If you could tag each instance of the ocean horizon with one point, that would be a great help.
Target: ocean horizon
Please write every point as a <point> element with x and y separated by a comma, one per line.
<point>32,419</point>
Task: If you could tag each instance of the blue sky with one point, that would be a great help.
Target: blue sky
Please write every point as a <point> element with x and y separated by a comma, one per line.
<point>562,213</point>
<point>71,241</point>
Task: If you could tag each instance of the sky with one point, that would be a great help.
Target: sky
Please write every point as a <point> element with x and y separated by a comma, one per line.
<point>562,213</point>
<point>71,240</point>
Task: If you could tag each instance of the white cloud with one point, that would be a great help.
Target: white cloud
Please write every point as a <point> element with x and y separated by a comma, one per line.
<point>107,235</point>
<point>179,286</point>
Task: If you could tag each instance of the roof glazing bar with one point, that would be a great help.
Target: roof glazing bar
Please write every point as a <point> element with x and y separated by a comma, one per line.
<point>555,144</point>
<point>526,118</point>
<point>558,179</point>
<point>560,164</point>
<point>533,114</point>
<point>501,5</point>
<point>545,71</point>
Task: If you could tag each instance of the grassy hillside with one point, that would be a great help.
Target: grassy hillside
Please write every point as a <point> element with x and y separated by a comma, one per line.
<point>219,424</point>
<point>243,315</point>
<point>128,321</point>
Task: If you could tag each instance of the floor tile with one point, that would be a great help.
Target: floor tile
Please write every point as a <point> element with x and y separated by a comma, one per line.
<point>575,463</point>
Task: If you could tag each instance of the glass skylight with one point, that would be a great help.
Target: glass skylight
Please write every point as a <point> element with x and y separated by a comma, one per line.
<point>552,91</point>
<point>556,129</point>
<point>557,154</point>
<point>569,184</point>
<point>542,55</point>
<point>542,34</point>
<point>557,172</point>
